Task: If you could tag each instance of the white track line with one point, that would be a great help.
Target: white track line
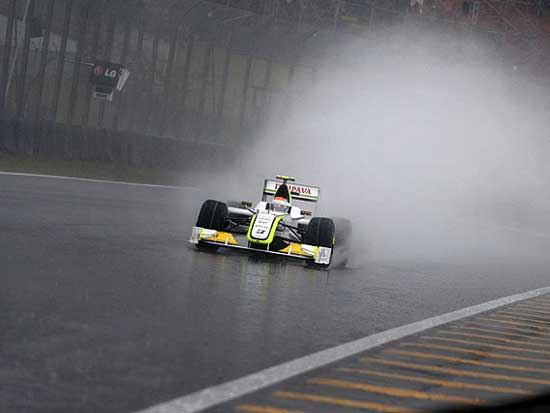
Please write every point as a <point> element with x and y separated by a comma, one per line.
<point>72,178</point>
<point>222,393</point>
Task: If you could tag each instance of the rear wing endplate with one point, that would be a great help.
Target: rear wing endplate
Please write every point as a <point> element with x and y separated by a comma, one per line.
<point>298,191</point>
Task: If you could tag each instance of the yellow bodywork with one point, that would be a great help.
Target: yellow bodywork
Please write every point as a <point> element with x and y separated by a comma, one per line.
<point>226,238</point>
<point>222,238</point>
<point>295,248</point>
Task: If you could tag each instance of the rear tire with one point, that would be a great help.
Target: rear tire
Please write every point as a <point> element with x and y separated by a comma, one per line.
<point>320,232</point>
<point>213,215</point>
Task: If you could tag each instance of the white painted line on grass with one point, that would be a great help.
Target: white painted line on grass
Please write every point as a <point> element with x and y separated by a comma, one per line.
<point>72,178</point>
<point>225,392</point>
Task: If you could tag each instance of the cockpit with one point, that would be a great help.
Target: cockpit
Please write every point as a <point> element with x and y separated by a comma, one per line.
<point>279,207</point>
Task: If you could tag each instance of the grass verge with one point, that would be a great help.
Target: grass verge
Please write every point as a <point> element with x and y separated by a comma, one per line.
<point>90,169</point>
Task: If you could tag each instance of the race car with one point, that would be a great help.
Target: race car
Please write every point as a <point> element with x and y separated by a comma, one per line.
<point>275,225</point>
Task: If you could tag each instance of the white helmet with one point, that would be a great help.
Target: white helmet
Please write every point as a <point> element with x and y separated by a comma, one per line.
<point>280,206</point>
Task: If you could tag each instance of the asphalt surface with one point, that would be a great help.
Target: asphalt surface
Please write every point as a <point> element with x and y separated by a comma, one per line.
<point>492,359</point>
<point>105,307</point>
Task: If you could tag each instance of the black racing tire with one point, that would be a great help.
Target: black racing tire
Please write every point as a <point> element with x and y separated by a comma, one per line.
<point>320,232</point>
<point>213,215</point>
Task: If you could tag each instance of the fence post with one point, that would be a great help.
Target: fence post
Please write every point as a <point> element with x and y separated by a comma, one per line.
<point>186,69</point>
<point>93,54</point>
<point>249,62</point>
<point>6,57</point>
<point>204,85</point>
<point>139,76</point>
<point>44,59</point>
<point>261,115</point>
<point>108,55</point>
<point>81,44</point>
<point>61,59</point>
<point>168,81</point>
<point>107,144</point>
<point>120,108</point>
<point>24,61</point>
<point>225,75</point>
<point>151,80</point>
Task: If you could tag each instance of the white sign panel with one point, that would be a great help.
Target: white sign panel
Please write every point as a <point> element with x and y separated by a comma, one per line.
<point>298,191</point>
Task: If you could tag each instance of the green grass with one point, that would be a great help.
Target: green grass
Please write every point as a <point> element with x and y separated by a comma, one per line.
<point>90,169</point>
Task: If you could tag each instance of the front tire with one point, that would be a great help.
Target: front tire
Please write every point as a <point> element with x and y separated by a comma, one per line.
<point>213,215</point>
<point>320,232</point>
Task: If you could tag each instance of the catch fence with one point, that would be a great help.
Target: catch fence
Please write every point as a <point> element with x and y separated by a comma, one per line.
<point>198,75</point>
<point>203,73</point>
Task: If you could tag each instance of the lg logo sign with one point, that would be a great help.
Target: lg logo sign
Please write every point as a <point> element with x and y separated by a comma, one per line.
<point>111,73</point>
<point>101,71</point>
<point>106,77</point>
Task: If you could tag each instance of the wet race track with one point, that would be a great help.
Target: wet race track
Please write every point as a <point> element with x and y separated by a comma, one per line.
<point>105,307</point>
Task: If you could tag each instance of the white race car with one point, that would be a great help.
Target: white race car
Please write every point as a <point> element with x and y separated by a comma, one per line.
<point>275,225</point>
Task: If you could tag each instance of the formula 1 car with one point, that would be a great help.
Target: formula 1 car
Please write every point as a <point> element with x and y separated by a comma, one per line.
<point>275,225</point>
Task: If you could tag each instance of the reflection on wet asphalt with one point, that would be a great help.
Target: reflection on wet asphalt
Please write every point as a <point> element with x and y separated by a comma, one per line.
<point>106,307</point>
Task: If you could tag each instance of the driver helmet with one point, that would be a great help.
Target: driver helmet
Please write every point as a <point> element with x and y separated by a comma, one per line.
<point>279,204</point>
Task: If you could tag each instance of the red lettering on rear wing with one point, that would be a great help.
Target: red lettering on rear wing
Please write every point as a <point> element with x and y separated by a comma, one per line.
<point>298,191</point>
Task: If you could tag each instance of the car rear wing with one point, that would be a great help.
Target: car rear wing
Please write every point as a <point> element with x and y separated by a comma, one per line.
<point>298,191</point>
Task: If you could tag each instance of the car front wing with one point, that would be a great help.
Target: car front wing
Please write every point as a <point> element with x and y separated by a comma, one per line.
<point>319,255</point>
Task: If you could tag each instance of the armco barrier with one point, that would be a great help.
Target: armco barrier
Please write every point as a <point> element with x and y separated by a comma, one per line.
<point>61,142</point>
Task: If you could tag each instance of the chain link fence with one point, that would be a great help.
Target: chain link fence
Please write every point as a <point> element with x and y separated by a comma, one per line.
<point>204,74</point>
<point>200,75</point>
